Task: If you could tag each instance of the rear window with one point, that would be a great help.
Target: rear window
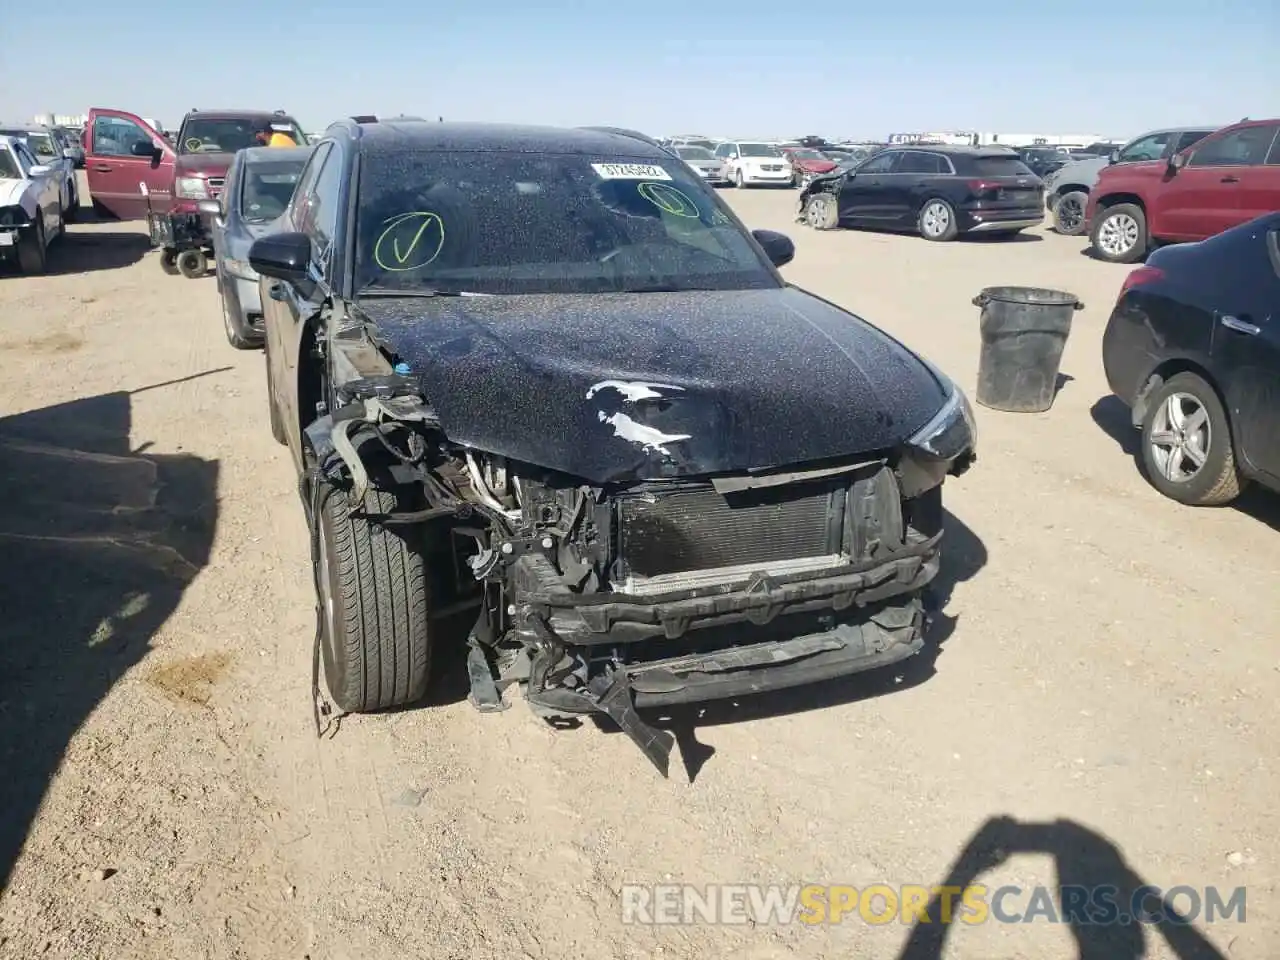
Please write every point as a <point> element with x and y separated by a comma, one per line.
<point>1000,167</point>
<point>268,187</point>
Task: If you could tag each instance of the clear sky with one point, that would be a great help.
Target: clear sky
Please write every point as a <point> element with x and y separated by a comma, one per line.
<point>726,67</point>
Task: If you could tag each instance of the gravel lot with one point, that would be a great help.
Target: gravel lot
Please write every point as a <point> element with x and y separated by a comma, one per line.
<point>1105,674</point>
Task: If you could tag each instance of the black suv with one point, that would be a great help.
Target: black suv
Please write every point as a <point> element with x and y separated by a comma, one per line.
<point>547,375</point>
<point>939,192</point>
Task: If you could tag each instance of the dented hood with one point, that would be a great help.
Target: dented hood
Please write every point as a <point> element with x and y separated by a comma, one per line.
<point>623,387</point>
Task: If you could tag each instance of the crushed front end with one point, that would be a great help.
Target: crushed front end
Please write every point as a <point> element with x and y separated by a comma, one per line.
<point>612,597</point>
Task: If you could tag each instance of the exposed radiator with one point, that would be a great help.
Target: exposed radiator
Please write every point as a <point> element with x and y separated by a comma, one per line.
<point>698,529</point>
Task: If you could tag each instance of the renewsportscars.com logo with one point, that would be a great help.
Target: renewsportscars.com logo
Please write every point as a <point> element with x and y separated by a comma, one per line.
<point>814,904</point>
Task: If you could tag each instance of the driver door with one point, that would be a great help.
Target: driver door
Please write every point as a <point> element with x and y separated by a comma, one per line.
<point>865,196</point>
<point>122,183</point>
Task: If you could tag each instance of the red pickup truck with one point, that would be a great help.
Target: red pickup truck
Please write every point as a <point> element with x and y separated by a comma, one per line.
<point>131,166</point>
<point>1219,182</point>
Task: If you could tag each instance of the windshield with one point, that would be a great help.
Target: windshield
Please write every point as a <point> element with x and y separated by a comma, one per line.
<point>43,147</point>
<point>268,187</point>
<point>1000,167</point>
<point>695,154</point>
<point>229,134</point>
<point>805,154</point>
<point>704,144</point>
<point>8,166</point>
<point>758,150</point>
<point>496,222</point>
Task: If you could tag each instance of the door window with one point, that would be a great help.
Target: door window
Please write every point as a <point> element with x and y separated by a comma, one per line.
<point>881,163</point>
<point>115,136</point>
<point>324,203</point>
<point>723,150</point>
<point>1246,147</point>
<point>922,163</point>
<point>1190,137</point>
<point>302,195</point>
<point>1146,148</point>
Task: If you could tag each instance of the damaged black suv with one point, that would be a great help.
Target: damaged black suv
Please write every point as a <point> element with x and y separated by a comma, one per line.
<point>547,375</point>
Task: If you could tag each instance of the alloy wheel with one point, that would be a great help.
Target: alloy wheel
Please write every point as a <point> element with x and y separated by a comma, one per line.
<point>1181,437</point>
<point>1118,234</point>
<point>1070,213</point>
<point>935,219</point>
<point>816,211</point>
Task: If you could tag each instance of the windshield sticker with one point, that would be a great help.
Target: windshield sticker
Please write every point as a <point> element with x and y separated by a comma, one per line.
<point>630,171</point>
<point>668,199</point>
<point>409,241</point>
<point>193,144</point>
<point>720,219</point>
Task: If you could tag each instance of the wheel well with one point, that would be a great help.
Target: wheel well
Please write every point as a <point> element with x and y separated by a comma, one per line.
<point>1111,199</point>
<point>1166,371</point>
<point>1066,188</point>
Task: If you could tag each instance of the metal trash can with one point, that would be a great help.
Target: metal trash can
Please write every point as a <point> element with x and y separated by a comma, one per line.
<point>1023,332</point>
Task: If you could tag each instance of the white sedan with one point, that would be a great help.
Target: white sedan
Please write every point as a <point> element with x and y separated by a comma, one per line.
<point>49,151</point>
<point>751,163</point>
<point>30,206</point>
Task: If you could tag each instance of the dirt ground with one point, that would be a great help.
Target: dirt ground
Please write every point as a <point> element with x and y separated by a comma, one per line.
<point>1105,673</point>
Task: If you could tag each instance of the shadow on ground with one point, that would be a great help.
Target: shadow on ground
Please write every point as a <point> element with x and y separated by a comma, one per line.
<point>963,555</point>
<point>1099,895</point>
<point>1112,417</point>
<point>89,251</point>
<point>98,541</point>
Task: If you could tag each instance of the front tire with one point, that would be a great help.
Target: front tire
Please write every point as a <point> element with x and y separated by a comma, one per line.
<point>1186,444</point>
<point>937,221</point>
<point>33,255</point>
<point>1068,213</point>
<point>193,264</point>
<point>376,643</point>
<point>738,180</point>
<point>820,212</point>
<point>1119,233</point>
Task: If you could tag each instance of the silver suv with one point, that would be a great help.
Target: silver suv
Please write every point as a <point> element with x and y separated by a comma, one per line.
<point>1066,190</point>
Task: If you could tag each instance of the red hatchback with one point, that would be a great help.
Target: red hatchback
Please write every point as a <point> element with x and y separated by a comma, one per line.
<point>1224,180</point>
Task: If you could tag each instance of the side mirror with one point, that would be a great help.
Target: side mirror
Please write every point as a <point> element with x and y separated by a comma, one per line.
<point>283,256</point>
<point>212,207</point>
<point>40,169</point>
<point>1177,162</point>
<point>144,148</point>
<point>68,154</point>
<point>1114,157</point>
<point>777,246</point>
<point>733,155</point>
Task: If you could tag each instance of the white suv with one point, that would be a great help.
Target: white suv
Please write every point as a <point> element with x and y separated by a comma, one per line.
<point>752,163</point>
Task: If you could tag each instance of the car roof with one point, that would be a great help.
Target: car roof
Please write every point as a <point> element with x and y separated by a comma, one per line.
<point>237,115</point>
<point>994,150</point>
<point>262,154</point>
<point>390,136</point>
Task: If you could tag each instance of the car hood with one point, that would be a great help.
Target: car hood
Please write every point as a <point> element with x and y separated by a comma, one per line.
<point>816,166</point>
<point>1083,172</point>
<point>11,192</point>
<point>624,387</point>
<point>202,164</point>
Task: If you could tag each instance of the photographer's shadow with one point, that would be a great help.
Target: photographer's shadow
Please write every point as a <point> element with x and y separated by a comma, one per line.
<point>1085,860</point>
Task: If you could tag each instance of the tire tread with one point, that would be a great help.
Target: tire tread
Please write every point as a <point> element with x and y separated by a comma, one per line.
<point>381,592</point>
